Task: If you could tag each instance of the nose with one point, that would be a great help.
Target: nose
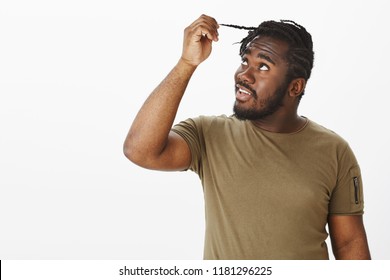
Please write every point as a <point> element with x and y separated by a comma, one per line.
<point>245,75</point>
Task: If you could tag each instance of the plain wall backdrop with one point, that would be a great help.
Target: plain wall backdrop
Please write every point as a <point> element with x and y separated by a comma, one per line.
<point>73,75</point>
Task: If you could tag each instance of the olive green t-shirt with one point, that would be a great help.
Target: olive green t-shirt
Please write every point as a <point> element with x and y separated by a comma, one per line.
<point>268,195</point>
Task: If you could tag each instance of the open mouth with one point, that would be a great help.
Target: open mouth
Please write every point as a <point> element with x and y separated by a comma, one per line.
<point>243,94</point>
<point>241,90</point>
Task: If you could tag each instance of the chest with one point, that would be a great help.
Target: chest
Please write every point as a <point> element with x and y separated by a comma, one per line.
<point>269,173</point>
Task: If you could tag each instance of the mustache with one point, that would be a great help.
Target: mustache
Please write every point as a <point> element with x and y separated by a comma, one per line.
<point>248,87</point>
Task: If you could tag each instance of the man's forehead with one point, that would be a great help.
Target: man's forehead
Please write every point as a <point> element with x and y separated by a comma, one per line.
<point>267,44</point>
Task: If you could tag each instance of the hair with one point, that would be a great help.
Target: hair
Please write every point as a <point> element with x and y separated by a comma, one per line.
<point>300,55</point>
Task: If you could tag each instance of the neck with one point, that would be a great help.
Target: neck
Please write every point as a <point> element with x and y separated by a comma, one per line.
<point>281,123</point>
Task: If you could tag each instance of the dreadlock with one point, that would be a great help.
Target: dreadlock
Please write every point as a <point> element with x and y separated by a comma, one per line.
<point>300,55</point>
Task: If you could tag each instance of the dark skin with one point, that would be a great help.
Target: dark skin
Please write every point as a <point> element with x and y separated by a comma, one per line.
<point>264,69</point>
<point>150,142</point>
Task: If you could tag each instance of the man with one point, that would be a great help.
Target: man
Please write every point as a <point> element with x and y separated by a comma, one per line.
<point>272,180</point>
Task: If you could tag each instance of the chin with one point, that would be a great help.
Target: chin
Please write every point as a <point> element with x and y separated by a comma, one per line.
<point>250,114</point>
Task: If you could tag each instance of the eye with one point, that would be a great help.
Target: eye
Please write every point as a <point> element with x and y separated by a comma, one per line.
<point>263,67</point>
<point>244,62</point>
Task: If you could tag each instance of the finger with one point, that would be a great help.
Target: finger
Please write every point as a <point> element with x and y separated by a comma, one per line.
<point>205,30</point>
<point>210,20</point>
<point>208,27</point>
<point>209,34</point>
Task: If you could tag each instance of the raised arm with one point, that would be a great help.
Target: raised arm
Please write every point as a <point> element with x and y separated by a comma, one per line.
<point>150,143</point>
<point>348,237</point>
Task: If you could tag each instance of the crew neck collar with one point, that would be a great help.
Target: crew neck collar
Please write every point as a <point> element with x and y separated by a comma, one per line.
<point>307,121</point>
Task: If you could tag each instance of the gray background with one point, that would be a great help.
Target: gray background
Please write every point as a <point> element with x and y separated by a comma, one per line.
<point>74,73</point>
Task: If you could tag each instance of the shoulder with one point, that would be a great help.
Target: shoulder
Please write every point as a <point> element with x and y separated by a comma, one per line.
<point>213,126</point>
<point>321,132</point>
<point>207,122</point>
<point>216,119</point>
<point>203,124</point>
<point>330,142</point>
<point>327,140</point>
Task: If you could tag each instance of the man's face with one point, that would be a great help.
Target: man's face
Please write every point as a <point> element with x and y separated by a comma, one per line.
<point>261,83</point>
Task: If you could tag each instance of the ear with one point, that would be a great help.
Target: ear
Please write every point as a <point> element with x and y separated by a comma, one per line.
<point>296,87</point>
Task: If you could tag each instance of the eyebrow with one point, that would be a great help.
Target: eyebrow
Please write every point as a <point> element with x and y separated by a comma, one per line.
<point>261,55</point>
<point>266,57</point>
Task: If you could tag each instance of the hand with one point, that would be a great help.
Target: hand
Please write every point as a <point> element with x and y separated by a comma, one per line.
<point>198,38</point>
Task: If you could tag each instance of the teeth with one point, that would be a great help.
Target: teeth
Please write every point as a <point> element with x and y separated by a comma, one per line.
<point>244,91</point>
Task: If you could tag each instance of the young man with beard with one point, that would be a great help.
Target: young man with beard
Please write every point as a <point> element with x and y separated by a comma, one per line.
<point>272,179</point>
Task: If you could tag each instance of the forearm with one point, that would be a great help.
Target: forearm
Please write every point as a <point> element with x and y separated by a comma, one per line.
<point>149,131</point>
<point>354,250</point>
<point>348,236</point>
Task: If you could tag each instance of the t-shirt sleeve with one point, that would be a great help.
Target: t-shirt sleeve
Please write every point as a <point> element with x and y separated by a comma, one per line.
<point>347,196</point>
<point>191,131</point>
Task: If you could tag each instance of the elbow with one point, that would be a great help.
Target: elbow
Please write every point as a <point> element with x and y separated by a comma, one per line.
<point>127,152</point>
<point>130,152</point>
<point>137,154</point>
<point>130,149</point>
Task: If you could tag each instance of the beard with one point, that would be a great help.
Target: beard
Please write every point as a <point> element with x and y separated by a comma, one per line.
<point>269,105</point>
